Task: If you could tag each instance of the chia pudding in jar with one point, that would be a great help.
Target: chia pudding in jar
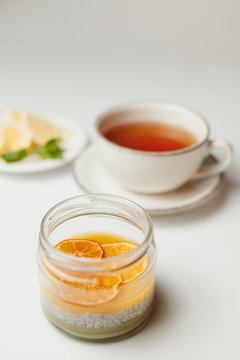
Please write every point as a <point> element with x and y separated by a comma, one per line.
<point>96,260</point>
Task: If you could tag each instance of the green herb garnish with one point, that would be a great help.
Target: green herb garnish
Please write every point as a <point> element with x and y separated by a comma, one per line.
<point>51,150</point>
<point>15,155</point>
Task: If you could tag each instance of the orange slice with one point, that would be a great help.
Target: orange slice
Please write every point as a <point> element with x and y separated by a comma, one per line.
<point>118,248</point>
<point>134,271</point>
<point>87,295</point>
<point>81,248</point>
<point>90,291</point>
<point>82,288</point>
<point>85,289</point>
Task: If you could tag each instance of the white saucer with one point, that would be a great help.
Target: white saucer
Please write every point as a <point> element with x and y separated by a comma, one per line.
<point>93,178</point>
<point>33,163</point>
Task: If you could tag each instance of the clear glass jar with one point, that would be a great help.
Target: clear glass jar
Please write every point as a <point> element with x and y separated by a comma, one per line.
<point>97,299</point>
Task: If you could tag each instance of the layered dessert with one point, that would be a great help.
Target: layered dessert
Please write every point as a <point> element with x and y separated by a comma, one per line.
<point>98,305</point>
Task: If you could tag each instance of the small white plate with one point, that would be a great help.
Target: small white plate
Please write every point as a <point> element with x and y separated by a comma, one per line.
<point>93,178</point>
<point>33,163</point>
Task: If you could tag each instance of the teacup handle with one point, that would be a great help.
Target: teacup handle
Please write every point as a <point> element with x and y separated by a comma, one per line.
<point>215,169</point>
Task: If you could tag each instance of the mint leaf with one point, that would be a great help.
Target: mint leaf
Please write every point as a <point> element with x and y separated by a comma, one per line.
<point>15,155</point>
<point>51,150</point>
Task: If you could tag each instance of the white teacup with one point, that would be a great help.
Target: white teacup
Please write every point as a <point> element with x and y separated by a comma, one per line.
<point>156,172</point>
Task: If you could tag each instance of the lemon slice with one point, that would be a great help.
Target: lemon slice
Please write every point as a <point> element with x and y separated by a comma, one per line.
<point>2,140</point>
<point>15,117</point>
<point>16,138</point>
<point>43,130</point>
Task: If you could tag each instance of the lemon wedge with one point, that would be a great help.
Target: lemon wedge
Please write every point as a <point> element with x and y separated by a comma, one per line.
<point>16,137</point>
<point>2,140</point>
<point>16,117</point>
<point>43,130</point>
<point>24,130</point>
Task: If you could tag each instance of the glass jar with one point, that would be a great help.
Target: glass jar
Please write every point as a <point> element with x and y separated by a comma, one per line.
<point>97,299</point>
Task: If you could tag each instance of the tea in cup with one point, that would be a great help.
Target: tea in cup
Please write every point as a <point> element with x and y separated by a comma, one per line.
<point>156,147</point>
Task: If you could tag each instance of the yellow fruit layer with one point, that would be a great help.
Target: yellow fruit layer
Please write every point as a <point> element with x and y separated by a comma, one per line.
<point>125,298</point>
<point>98,292</point>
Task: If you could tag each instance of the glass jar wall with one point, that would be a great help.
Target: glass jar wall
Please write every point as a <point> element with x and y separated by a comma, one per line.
<point>102,298</point>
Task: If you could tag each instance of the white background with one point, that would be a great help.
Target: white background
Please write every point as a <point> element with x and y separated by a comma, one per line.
<point>76,59</point>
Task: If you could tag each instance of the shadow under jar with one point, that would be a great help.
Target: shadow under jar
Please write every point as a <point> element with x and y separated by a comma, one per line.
<point>97,299</point>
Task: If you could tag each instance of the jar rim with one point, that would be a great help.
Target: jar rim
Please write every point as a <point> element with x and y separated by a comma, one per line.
<point>91,264</point>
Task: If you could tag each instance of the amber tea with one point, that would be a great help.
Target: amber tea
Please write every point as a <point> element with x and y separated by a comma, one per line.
<point>150,136</point>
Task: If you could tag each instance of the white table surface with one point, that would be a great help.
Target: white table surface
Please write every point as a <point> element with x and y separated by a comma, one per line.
<point>77,58</point>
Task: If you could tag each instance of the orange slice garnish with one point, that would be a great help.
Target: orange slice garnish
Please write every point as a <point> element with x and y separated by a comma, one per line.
<point>87,289</point>
<point>87,296</point>
<point>90,292</point>
<point>134,271</point>
<point>118,248</point>
<point>81,248</point>
<point>82,288</point>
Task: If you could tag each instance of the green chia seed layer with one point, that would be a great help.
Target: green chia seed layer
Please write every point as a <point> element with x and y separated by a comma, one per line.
<point>99,326</point>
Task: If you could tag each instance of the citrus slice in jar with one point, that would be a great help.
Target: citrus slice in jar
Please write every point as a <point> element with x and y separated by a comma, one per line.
<point>132,272</point>
<point>83,288</point>
<point>117,249</point>
<point>90,291</point>
<point>81,248</point>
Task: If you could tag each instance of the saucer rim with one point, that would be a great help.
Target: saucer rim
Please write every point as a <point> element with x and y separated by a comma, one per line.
<point>156,212</point>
